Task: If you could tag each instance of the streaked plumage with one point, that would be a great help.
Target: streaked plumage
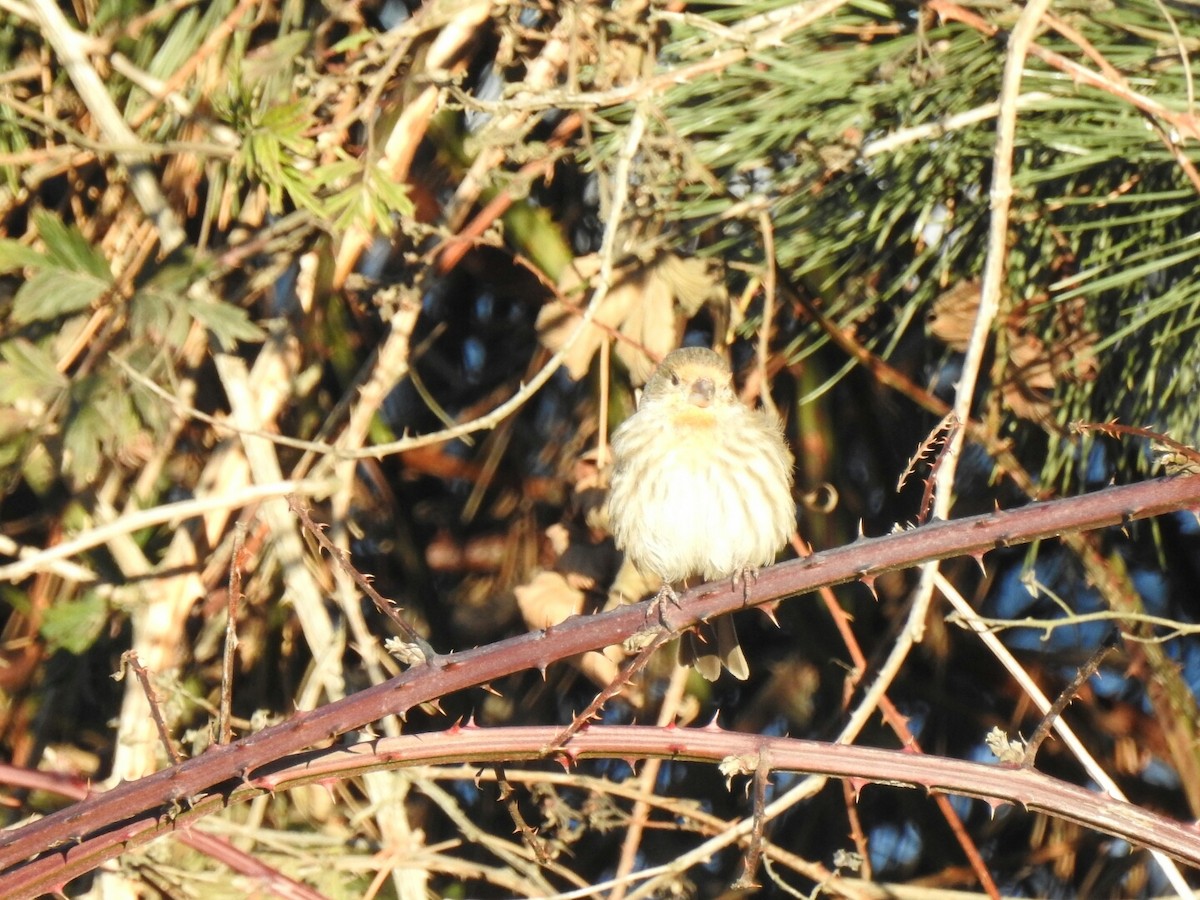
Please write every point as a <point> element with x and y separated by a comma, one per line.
<point>701,484</point>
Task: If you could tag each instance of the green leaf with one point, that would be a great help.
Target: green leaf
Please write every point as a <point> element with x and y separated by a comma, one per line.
<point>15,599</point>
<point>151,315</point>
<point>159,313</point>
<point>29,370</point>
<point>275,59</point>
<point>15,255</point>
<point>276,151</point>
<point>152,412</point>
<point>84,433</point>
<point>74,625</point>
<point>365,196</point>
<point>101,422</point>
<point>159,309</point>
<point>177,45</point>
<point>228,323</point>
<point>67,247</point>
<point>55,292</point>
<point>353,41</point>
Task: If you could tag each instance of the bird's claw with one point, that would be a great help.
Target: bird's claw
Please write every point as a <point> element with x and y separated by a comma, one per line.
<point>744,578</point>
<point>666,594</point>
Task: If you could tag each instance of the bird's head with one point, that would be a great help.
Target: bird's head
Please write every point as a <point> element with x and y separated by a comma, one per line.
<point>692,378</point>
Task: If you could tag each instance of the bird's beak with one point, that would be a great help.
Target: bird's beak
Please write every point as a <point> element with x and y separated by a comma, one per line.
<point>702,393</point>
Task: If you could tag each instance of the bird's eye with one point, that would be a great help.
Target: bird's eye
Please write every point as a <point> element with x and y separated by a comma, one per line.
<point>675,379</point>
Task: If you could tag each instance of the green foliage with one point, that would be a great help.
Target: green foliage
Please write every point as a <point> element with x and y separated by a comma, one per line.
<point>68,277</point>
<point>74,625</point>
<point>275,148</point>
<point>279,153</point>
<point>55,292</point>
<point>28,372</point>
<point>15,255</point>
<point>100,423</point>
<point>363,195</point>
<point>162,310</point>
<point>874,219</point>
<point>87,419</point>
<point>13,139</point>
<point>158,310</point>
<point>228,324</point>
<point>175,47</point>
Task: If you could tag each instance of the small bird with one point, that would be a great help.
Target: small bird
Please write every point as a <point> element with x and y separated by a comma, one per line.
<point>701,486</point>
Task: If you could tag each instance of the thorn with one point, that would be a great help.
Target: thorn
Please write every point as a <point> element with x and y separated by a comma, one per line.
<point>978,557</point>
<point>491,690</point>
<point>861,530</point>
<point>856,785</point>
<point>868,581</point>
<point>711,726</point>
<point>768,609</point>
<point>993,805</point>
<point>470,723</point>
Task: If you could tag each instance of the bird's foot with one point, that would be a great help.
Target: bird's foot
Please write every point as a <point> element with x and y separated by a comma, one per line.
<point>745,578</point>
<point>666,594</point>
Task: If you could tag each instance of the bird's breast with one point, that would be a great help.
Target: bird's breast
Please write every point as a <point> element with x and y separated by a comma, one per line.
<point>697,495</point>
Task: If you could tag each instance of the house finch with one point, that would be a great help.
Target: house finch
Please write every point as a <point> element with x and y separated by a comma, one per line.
<point>701,486</point>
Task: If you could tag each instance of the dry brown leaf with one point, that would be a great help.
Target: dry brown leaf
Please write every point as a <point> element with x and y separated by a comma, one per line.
<point>591,489</point>
<point>590,470</point>
<point>559,538</point>
<point>547,600</point>
<point>630,586</point>
<point>953,315</point>
<point>550,599</point>
<point>558,320</point>
<point>601,669</point>
<point>692,281</point>
<point>651,326</point>
<point>644,304</point>
<point>1033,370</point>
<point>1030,383</point>
<point>672,288</point>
